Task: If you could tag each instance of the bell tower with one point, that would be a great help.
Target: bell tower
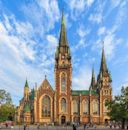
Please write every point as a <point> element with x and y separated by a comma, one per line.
<point>104,81</point>
<point>63,77</point>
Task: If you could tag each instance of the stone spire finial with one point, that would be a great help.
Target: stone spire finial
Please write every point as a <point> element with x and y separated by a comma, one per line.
<point>63,35</point>
<point>93,82</point>
<point>26,84</point>
<point>103,66</point>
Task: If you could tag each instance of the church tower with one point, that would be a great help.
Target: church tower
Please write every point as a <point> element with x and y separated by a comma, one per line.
<point>63,77</point>
<point>104,87</point>
<point>26,91</point>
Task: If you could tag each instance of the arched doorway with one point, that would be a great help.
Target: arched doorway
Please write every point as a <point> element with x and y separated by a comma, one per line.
<point>106,121</point>
<point>63,119</point>
<point>76,119</point>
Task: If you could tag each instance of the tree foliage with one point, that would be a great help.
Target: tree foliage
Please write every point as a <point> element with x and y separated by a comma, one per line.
<point>7,109</point>
<point>119,107</point>
<point>5,97</point>
<point>7,112</point>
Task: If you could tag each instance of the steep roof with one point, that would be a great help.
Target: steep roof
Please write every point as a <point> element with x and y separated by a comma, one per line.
<point>83,92</point>
<point>26,84</point>
<point>93,82</point>
<point>27,107</point>
<point>63,36</point>
<point>103,66</point>
<point>46,85</point>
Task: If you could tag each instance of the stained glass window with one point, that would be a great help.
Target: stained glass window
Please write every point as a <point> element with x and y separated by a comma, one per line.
<point>63,105</point>
<point>85,107</point>
<point>75,106</point>
<point>105,107</point>
<point>46,106</point>
<point>63,83</point>
<point>95,107</point>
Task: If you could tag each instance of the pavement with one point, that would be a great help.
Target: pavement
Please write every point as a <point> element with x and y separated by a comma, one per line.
<point>55,128</point>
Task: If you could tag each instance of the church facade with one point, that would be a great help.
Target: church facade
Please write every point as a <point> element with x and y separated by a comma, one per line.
<point>63,105</point>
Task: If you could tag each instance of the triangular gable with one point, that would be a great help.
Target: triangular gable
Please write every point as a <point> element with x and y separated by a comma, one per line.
<point>46,85</point>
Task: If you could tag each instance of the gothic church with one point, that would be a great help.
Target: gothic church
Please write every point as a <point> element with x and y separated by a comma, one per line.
<point>63,105</point>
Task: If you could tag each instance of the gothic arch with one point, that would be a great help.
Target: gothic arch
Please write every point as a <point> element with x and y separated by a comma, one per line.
<point>105,108</point>
<point>75,106</point>
<point>63,105</point>
<point>95,106</point>
<point>42,106</point>
<point>46,106</point>
<point>63,100</point>
<point>63,82</point>
<point>85,106</point>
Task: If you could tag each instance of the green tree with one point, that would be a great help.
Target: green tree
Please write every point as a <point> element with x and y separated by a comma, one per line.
<point>7,112</point>
<point>119,107</point>
<point>5,97</point>
<point>7,109</point>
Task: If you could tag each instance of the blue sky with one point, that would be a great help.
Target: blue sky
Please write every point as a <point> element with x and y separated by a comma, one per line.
<point>29,33</point>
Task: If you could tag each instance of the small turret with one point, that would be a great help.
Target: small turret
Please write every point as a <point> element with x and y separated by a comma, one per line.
<point>26,91</point>
<point>93,82</point>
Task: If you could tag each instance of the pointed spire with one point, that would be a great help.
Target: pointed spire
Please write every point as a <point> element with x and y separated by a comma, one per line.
<point>26,84</point>
<point>103,66</point>
<point>63,36</point>
<point>93,82</point>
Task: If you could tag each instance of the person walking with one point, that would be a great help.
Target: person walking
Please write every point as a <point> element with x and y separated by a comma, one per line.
<point>85,126</point>
<point>74,127</point>
<point>110,125</point>
<point>25,126</point>
<point>38,126</point>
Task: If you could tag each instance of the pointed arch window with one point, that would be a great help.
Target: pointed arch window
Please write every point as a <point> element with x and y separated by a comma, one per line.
<point>63,83</point>
<point>63,105</point>
<point>105,108</point>
<point>95,107</point>
<point>75,107</point>
<point>85,107</point>
<point>46,106</point>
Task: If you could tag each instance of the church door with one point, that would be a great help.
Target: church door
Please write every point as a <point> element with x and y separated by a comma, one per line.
<point>63,120</point>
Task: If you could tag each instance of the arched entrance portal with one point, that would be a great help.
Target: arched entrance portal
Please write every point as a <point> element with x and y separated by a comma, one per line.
<point>63,119</point>
<point>76,119</point>
<point>106,121</point>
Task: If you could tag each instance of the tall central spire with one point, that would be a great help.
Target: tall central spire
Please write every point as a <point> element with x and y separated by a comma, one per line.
<point>103,67</point>
<point>63,36</point>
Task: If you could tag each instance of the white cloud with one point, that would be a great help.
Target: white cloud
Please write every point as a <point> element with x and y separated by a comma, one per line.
<point>52,40</point>
<point>82,79</point>
<point>80,4</point>
<point>109,35</point>
<point>89,2</point>
<point>77,4</point>
<point>82,32</point>
<point>96,18</point>
<point>45,14</point>
<point>77,7</point>
<point>101,31</point>
<point>16,43</point>
<point>115,3</point>
<point>16,47</point>
<point>110,43</point>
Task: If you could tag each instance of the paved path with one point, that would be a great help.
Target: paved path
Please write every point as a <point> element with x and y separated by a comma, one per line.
<point>53,128</point>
